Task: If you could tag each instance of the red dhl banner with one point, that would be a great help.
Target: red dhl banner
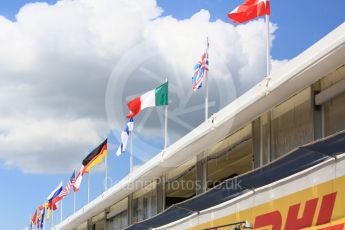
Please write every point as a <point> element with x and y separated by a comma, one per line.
<point>321,207</point>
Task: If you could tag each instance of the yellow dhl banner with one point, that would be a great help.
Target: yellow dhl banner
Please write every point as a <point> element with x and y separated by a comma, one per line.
<point>319,207</point>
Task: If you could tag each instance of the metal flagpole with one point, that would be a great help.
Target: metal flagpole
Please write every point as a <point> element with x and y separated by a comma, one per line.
<point>31,225</point>
<point>88,186</point>
<point>74,201</point>
<point>166,123</point>
<point>52,219</point>
<point>268,58</point>
<point>206,87</point>
<point>61,212</point>
<point>206,97</point>
<point>106,173</point>
<point>131,154</point>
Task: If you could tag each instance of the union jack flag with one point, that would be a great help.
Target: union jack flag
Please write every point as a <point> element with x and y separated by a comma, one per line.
<point>199,70</point>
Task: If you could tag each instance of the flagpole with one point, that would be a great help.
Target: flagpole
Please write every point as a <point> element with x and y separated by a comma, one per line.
<point>131,154</point>
<point>61,212</point>
<point>88,186</point>
<point>206,89</point>
<point>268,58</point>
<point>51,221</point>
<point>166,123</point>
<point>206,97</point>
<point>166,128</point>
<point>31,228</point>
<point>74,200</point>
<point>106,173</point>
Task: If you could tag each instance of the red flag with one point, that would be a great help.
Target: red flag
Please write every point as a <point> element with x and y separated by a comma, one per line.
<point>52,205</point>
<point>34,218</point>
<point>250,9</point>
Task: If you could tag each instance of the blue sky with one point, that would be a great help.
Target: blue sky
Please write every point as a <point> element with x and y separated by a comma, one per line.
<point>300,23</point>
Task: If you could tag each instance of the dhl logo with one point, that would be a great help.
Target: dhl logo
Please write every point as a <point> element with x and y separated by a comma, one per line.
<point>319,207</point>
<point>274,219</point>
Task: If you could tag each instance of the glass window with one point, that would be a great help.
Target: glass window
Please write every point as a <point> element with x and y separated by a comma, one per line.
<point>292,124</point>
<point>334,109</point>
<point>334,115</point>
<point>118,222</point>
<point>230,157</point>
<point>144,203</point>
<point>180,184</point>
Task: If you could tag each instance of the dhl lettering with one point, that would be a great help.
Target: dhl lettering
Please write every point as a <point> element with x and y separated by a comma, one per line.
<point>292,222</point>
<point>274,219</point>
<point>326,209</point>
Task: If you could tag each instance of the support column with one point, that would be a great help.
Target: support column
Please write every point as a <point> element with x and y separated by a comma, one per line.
<point>161,194</point>
<point>317,113</point>
<point>201,173</point>
<point>89,224</point>
<point>269,136</point>
<point>130,209</point>
<point>106,225</point>
<point>256,144</point>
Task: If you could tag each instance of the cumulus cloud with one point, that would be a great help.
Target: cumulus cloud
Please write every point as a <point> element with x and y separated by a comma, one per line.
<point>68,68</point>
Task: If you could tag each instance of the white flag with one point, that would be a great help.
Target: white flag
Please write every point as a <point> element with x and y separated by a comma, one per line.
<point>124,136</point>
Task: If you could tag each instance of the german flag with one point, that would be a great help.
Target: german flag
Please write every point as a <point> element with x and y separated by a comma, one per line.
<point>95,157</point>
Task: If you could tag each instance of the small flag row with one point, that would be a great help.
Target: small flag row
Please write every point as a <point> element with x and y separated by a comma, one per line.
<point>156,97</point>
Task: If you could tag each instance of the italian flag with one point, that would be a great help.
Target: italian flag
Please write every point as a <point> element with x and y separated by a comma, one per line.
<point>155,97</point>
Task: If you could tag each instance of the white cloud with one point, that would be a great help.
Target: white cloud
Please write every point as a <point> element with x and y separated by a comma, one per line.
<point>46,145</point>
<point>68,68</point>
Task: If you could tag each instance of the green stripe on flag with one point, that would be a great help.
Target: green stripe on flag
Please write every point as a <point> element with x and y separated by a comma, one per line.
<point>161,94</point>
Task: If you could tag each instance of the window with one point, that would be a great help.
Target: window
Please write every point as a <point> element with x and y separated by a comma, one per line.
<point>144,203</point>
<point>334,109</point>
<point>120,221</point>
<point>117,215</point>
<point>230,157</point>
<point>292,124</point>
<point>334,115</point>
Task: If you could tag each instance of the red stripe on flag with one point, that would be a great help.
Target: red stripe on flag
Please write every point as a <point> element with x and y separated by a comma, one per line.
<point>134,107</point>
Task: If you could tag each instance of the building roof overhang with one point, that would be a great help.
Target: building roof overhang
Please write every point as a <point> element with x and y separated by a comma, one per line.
<point>310,66</point>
